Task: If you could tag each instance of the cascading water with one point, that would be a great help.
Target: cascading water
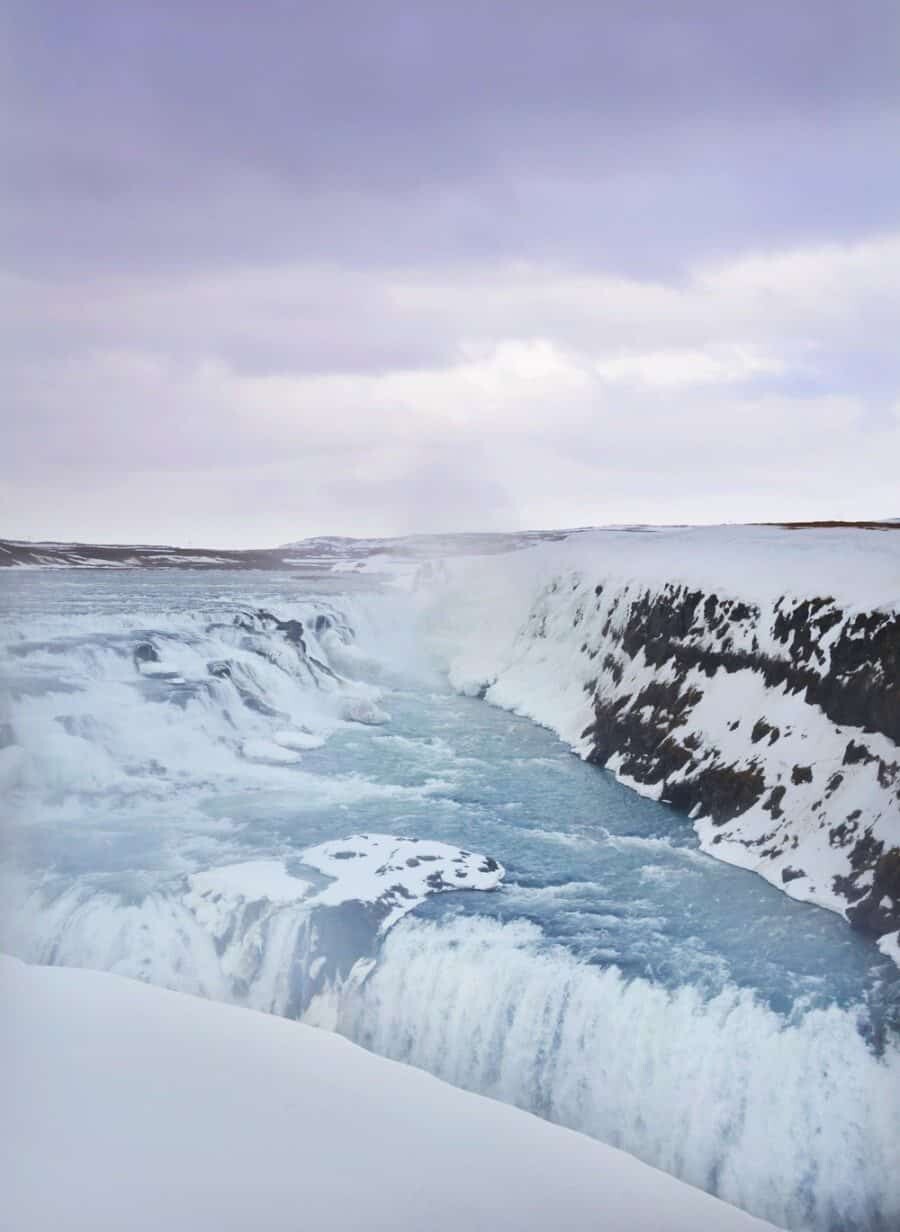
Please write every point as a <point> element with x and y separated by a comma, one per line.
<point>178,749</point>
<point>792,1119</point>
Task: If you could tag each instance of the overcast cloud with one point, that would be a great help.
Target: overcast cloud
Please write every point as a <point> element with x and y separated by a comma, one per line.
<point>283,269</point>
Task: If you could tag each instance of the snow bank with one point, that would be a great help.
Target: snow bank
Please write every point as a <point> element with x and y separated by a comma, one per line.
<point>129,1107</point>
<point>748,675</point>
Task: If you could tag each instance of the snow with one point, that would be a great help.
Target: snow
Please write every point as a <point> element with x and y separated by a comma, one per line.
<point>126,1106</point>
<point>858,568</point>
<point>252,880</point>
<point>379,869</point>
<point>254,910</point>
<point>396,874</point>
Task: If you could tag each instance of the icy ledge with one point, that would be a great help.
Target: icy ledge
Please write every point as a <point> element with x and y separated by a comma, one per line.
<point>126,1106</point>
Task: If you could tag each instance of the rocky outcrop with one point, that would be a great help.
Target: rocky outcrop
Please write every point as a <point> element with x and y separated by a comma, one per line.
<point>775,728</point>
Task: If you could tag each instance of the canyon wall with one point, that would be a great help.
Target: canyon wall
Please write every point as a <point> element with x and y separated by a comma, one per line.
<point>749,677</point>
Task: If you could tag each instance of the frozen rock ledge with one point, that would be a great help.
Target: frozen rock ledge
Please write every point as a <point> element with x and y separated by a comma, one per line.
<point>126,1106</point>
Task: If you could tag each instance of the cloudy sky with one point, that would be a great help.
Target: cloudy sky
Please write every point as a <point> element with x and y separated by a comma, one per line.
<point>281,269</point>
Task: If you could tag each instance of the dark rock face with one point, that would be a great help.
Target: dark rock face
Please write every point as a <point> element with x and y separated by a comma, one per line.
<point>862,686</point>
<point>876,912</point>
<point>261,620</point>
<point>859,688</point>
<point>791,874</point>
<point>655,651</point>
<point>722,792</point>
<point>651,752</point>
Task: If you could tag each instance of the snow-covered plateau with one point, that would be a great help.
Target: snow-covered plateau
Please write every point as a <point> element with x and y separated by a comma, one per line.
<point>126,1106</point>
<point>749,676</point>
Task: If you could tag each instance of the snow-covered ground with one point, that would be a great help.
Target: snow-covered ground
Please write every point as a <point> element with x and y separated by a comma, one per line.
<point>129,1107</point>
<point>747,673</point>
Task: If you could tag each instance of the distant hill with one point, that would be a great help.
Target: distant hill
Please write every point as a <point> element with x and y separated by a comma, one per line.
<point>323,551</point>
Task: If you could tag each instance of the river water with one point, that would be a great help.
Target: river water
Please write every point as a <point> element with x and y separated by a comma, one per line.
<point>619,981</point>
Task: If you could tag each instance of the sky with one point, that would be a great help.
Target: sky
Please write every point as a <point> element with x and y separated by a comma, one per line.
<point>283,269</point>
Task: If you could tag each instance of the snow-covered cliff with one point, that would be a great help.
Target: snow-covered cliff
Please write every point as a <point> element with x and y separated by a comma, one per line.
<point>748,676</point>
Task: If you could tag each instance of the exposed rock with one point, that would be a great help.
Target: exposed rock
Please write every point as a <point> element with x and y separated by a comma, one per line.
<point>723,792</point>
<point>879,911</point>
<point>656,651</point>
<point>773,804</point>
<point>789,874</point>
<point>856,753</point>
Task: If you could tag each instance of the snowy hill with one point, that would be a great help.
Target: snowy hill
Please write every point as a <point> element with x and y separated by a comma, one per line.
<point>749,676</point>
<point>129,1107</point>
<point>318,554</point>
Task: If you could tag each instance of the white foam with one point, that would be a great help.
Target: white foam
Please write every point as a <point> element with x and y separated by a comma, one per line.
<point>269,751</point>
<point>220,702</point>
<point>363,710</point>
<point>796,1120</point>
